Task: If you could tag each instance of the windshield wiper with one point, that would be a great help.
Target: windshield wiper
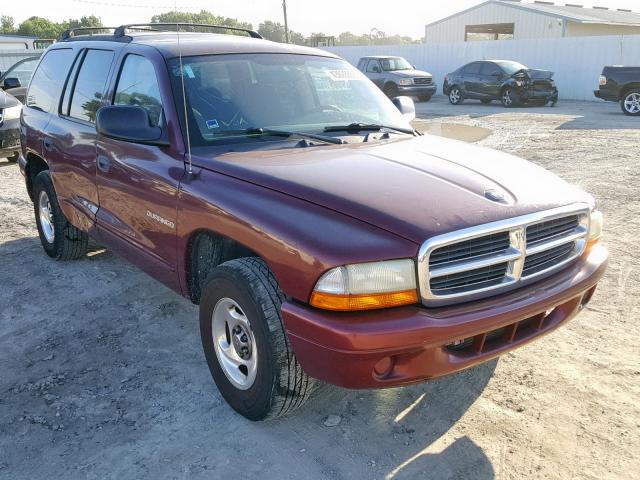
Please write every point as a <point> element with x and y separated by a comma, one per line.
<point>284,133</point>
<point>362,127</point>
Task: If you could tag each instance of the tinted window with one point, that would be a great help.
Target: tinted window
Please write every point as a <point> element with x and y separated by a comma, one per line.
<point>48,79</point>
<point>89,85</point>
<point>472,68</point>
<point>491,69</point>
<point>138,85</point>
<point>372,66</point>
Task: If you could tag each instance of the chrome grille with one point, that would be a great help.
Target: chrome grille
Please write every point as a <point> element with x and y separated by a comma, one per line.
<point>423,81</point>
<point>481,261</point>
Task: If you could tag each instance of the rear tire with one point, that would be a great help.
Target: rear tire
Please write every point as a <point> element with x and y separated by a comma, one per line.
<point>455,95</point>
<point>59,238</point>
<point>630,103</point>
<point>13,158</point>
<point>245,343</point>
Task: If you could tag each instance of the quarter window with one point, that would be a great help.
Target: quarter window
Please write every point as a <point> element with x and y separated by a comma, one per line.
<point>90,84</point>
<point>48,79</point>
<point>138,85</point>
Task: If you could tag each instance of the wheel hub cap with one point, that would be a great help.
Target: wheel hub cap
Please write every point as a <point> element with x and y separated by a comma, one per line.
<point>234,343</point>
<point>632,103</point>
<point>46,217</point>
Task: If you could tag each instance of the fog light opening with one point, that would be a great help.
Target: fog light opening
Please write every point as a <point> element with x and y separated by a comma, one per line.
<point>384,367</point>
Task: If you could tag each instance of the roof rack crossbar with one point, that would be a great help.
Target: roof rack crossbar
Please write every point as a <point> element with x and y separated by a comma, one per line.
<point>73,32</point>
<point>122,30</point>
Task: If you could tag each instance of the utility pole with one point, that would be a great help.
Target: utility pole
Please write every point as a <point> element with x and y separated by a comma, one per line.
<point>286,24</point>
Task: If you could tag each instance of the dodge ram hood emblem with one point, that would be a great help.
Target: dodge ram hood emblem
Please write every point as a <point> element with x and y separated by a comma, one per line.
<point>494,195</point>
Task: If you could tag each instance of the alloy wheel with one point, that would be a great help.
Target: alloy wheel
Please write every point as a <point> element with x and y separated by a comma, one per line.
<point>507,101</point>
<point>454,95</point>
<point>632,103</point>
<point>234,343</point>
<point>46,217</point>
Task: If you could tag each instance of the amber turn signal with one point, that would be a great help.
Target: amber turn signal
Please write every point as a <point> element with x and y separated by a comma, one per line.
<point>372,301</point>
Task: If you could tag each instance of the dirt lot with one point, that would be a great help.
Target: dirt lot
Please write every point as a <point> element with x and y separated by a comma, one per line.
<point>103,374</point>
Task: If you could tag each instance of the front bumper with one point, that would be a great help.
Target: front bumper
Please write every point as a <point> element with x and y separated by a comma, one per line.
<point>550,95</point>
<point>418,90</point>
<point>9,137</point>
<point>407,345</point>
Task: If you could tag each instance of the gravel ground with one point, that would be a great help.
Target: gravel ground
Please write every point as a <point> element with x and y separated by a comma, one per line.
<point>103,374</point>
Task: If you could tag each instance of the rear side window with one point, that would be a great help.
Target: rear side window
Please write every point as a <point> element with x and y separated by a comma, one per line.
<point>89,86</point>
<point>472,68</point>
<point>48,79</point>
<point>491,69</point>
<point>138,85</point>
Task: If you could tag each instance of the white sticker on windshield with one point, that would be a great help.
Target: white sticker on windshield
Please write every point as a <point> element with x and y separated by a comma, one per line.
<point>189,71</point>
<point>343,75</point>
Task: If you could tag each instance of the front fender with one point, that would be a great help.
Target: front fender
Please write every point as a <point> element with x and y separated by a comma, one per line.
<point>299,240</point>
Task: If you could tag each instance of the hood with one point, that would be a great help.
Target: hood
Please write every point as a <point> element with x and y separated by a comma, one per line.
<point>410,73</point>
<point>534,74</point>
<point>6,100</point>
<point>413,187</point>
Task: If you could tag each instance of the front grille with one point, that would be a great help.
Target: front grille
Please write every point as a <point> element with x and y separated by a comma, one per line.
<point>423,81</point>
<point>488,259</point>
<point>467,249</point>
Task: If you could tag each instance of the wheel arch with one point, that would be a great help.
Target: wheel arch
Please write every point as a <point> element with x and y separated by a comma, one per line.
<point>206,249</point>
<point>34,165</point>
<point>627,88</point>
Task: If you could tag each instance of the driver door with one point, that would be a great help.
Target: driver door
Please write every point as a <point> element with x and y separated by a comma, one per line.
<point>138,184</point>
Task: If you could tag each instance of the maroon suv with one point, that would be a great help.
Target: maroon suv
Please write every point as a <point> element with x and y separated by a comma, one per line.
<point>275,186</point>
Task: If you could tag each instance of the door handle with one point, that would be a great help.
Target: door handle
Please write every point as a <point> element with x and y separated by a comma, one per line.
<point>103,163</point>
<point>48,144</point>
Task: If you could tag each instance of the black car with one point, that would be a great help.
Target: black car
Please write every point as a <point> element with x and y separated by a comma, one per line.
<point>16,79</point>
<point>10,109</point>
<point>621,84</point>
<point>510,82</point>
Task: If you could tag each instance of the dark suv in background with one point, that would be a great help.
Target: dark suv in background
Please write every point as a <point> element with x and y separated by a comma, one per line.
<point>395,76</point>
<point>509,82</point>
<point>621,84</point>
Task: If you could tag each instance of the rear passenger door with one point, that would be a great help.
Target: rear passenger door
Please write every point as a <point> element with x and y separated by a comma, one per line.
<point>137,183</point>
<point>71,136</point>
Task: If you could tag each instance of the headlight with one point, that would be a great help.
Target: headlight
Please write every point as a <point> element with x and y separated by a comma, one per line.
<point>405,81</point>
<point>595,225</point>
<point>12,113</point>
<point>367,286</point>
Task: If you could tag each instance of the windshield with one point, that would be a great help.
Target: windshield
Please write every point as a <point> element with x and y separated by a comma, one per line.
<point>512,67</point>
<point>22,71</point>
<point>395,63</point>
<point>227,94</point>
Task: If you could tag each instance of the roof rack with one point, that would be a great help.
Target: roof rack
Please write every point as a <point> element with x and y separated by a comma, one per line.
<point>164,27</point>
<point>73,32</point>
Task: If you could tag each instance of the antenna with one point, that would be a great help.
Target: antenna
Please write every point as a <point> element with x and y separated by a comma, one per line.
<point>184,95</point>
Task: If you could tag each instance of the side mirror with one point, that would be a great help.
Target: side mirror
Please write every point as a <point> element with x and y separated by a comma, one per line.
<point>129,123</point>
<point>406,106</point>
<point>11,82</point>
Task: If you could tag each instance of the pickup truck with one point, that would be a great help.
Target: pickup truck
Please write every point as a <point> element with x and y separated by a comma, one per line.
<point>395,76</point>
<point>621,84</point>
<point>323,238</point>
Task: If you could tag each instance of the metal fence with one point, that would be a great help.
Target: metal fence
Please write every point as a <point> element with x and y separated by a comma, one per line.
<point>576,61</point>
<point>9,57</point>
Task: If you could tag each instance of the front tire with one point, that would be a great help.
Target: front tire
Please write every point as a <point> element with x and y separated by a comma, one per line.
<point>508,98</point>
<point>245,343</point>
<point>59,238</point>
<point>630,103</point>
<point>13,158</point>
<point>391,90</point>
<point>455,95</point>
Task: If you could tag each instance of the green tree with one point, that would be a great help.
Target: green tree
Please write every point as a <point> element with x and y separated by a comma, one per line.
<point>203,17</point>
<point>6,24</point>
<point>274,31</point>
<point>40,27</point>
<point>86,21</point>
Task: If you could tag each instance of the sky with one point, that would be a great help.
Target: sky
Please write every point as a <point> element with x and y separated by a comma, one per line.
<point>405,17</point>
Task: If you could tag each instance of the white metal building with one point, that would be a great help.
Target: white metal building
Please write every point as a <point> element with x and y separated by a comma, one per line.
<point>512,19</point>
